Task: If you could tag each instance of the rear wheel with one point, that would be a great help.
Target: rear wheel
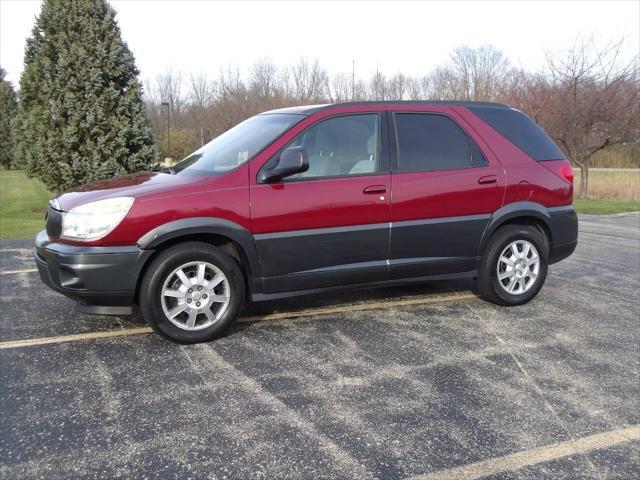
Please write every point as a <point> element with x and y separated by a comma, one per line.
<point>514,265</point>
<point>192,292</point>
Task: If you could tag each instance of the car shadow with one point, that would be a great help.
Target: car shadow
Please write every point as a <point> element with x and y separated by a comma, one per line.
<point>351,296</point>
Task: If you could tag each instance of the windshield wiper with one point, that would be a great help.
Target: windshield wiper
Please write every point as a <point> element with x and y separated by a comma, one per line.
<point>159,168</point>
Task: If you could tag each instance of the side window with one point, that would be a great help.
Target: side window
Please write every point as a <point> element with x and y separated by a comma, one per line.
<point>428,142</point>
<point>341,146</point>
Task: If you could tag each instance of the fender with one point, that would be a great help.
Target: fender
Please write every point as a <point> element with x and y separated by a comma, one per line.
<point>514,210</point>
<point>207,225</point>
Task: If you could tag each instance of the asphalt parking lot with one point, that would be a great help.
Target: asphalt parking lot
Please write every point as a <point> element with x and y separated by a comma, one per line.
<point>425,381</point>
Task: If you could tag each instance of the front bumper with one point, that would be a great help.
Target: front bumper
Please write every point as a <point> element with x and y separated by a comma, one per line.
<point>102,279</point>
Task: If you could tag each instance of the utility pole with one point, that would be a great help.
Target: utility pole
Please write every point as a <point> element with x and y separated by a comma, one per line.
<point>353,80</point>
<point>166,104</point>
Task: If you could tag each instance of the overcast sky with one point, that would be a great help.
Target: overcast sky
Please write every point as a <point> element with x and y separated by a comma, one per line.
<point>410,37</point>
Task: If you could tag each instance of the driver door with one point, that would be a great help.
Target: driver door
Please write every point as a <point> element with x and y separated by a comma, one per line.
<point>329,225</point>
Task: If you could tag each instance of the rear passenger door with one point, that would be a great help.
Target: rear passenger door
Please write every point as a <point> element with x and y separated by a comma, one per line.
<point>444,189</point>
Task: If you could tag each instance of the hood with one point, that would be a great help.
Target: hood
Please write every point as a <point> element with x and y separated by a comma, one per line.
<point>136,185</point>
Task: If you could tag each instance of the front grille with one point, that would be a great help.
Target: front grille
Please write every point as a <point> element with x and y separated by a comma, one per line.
<point>54,223</point>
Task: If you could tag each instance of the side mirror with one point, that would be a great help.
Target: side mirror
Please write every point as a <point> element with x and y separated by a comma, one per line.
<point>293,160</point>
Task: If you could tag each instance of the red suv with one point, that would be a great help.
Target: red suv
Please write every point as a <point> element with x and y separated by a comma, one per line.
<point>306,199</point>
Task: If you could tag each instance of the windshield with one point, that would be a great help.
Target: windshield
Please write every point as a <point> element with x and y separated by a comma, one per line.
<point>237,145</point>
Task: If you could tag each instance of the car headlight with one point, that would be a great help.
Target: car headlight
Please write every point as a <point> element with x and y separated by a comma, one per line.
<point>94,220</point>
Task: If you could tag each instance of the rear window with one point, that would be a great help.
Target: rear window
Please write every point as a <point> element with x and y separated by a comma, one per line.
<point>520,130</point>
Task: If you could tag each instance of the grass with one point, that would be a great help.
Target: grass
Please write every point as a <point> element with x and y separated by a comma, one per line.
<point>23,202</point>
<point>611,185</point>
<point>606,207</point>
<point>618,156</point>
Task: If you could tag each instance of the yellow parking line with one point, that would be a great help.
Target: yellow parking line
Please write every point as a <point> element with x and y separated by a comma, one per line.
<point>74,338</point>
<point>256,318</point>
<point>527,458</point>
<point>27,270</point>
<point>359,307</point>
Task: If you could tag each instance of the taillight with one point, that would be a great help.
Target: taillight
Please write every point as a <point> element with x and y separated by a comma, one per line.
<point>561,168</point>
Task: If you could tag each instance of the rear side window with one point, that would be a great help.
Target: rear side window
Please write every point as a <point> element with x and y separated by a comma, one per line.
<point>428,142</point>
<point>520,130</point>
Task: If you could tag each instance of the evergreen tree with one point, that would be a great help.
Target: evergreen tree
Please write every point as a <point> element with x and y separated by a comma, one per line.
<point>7,113</point>
<point>80,115</point>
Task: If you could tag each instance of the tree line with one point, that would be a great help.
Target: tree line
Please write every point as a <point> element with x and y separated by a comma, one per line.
<point>586,98</point>
<point>81,115</point>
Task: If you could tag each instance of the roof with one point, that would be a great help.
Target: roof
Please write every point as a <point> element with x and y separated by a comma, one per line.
<point>309,109</point>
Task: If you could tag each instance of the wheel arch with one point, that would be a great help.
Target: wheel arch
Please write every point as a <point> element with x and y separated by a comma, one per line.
<point>230,237</point>
<point>519,213</point>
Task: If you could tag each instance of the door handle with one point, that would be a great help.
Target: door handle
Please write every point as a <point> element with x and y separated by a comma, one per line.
<point>372,189</point>
<point>488,179</point>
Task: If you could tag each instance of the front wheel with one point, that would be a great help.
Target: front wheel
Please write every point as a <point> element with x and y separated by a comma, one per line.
<point>192,292</point>
<point>514,265</point>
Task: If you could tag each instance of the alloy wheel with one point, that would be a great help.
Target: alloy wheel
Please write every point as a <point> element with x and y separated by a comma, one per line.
<point>518,267</point>
<point>195,295</point>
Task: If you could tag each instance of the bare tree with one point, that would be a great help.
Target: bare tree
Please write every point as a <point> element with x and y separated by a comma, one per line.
<point>341,90</point>
<point>378,87</point>
<point>263,80</point>
<point>231,102</point>
<point>398,87</point>
<point>593,104</point>
<point>169,88</point>
<point>152,101</point>
<point>230,84</point>
<point>201,97</point>
<point>529,92</point>
<point>472,74</point>
<point>310,81</point>
<point>418,88</point>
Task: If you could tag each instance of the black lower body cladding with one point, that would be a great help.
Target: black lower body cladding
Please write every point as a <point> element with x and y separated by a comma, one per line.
<point>563,223</point>
<point>102,277</point>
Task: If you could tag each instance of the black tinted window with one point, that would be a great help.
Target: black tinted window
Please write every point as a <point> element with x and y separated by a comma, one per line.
<point>520,130</point>
<point>431,142</point>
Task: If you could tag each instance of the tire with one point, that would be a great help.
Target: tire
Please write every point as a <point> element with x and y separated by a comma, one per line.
<point>494,262</point>
<point>164,291</point>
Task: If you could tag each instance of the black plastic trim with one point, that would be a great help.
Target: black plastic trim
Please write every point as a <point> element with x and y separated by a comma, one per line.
<point>349,266</point>
<point>563,208</point>
<point>205,225</point>
<point>88,274</point>
<point>103,309</point>
<point>321,231</point>
<point>434,221</point>
<point>444,103</point>
<point>360,253</point>
<point>561,222</point>
<point>326,278</point>
<point>510,211</point>
<point>325,249</point>
<point>440,245</point>
<point>260,297</point>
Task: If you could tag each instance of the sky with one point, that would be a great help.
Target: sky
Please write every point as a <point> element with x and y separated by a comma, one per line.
<point>409,37</point>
